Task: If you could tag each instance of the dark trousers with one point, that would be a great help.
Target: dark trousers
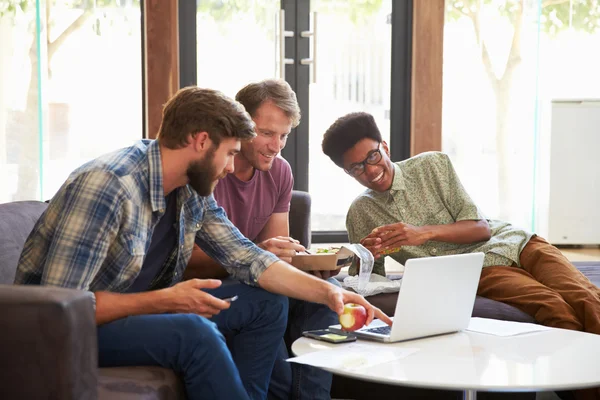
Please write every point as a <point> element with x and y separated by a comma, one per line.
<point>195,347</point>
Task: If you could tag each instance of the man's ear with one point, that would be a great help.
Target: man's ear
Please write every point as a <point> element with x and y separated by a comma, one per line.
<point>386,148</point>
<point>200,141</point>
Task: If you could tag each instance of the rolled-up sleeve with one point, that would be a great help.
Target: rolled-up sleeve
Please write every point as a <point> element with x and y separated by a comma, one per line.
<point>224,243</point>
<point>359,223</point>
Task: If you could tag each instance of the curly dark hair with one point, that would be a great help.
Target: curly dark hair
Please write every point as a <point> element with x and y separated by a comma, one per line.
<point>345,132</point>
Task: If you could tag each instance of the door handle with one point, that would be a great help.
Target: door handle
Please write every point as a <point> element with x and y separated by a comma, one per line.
<point>282,34</point>
<point>311,34</point>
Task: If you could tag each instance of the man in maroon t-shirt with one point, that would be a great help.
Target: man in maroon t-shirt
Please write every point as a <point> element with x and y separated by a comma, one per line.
<point>256,198</point>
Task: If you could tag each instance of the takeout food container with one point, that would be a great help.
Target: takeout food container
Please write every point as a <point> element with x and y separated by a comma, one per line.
<point>324,261</point>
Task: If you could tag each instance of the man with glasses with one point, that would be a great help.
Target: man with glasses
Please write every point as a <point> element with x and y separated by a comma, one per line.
<point>418,208</point>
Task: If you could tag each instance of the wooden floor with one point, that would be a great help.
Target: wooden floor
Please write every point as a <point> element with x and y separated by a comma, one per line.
<point>581,254</point>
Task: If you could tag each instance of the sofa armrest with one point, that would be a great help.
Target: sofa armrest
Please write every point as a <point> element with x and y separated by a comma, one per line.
<point>48,343</point>
<point>300,217</point>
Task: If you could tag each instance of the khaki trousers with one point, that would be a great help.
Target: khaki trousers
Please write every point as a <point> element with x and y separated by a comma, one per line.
<point>547,287</point>
<point>550,289</point>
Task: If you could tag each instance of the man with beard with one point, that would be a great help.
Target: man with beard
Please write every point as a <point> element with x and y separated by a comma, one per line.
<point>256,198</point>
<point>123,226</point>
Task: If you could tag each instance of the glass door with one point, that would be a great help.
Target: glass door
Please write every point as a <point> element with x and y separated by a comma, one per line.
<point>351,72</point>
<point>236,43</point>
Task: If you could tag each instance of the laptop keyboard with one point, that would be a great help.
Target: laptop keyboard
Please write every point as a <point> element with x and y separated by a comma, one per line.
<point>382,330</point>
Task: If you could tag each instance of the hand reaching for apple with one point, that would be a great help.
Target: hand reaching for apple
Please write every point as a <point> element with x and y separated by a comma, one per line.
<point>344,301</point>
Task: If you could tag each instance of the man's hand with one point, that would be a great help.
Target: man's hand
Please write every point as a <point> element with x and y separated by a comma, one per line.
<point>400,234</point>
<point>325,274</point>
<point>337,297</point>
<point>188,297</point>
<point>283,247</point>
<point>372,243</point>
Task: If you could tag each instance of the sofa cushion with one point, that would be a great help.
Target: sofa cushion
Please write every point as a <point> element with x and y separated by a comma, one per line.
<point>591,269</point>
<point>139,383</point>
<point>484,307</point>
<point>16,222</point>
<point>300,217</point>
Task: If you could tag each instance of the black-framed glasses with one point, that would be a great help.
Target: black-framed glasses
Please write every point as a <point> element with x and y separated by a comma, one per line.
<point>357,169</point>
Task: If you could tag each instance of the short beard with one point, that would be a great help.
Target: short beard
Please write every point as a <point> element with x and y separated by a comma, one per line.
<point>202,174</point>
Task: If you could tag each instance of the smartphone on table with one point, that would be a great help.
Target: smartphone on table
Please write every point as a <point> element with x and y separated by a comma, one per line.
<point>329,336</point>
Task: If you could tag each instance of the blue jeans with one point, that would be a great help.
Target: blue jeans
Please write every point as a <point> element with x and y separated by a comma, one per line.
<point>296,381</point>
<point>195,347</point>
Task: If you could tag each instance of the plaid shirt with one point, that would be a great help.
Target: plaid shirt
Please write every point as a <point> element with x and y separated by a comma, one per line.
<point>97,228</point>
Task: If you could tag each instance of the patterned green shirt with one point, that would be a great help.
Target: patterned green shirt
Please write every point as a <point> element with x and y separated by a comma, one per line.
<point>426,191</point>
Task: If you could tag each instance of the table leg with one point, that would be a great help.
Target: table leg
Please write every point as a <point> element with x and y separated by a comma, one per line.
<point>470,395</point>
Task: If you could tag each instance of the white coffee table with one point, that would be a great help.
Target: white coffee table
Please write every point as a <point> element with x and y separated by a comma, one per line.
<point>550,360</point>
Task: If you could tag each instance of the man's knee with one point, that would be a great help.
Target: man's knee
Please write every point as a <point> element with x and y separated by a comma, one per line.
<point>276,305</point>
<point>192,331</point>
<point>555,312</point>
<point>272,307</point>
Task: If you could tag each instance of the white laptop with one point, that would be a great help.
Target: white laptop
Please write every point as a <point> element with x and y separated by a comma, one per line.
<point>436,297</point>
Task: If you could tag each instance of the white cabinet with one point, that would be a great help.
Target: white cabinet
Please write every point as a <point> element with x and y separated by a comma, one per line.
<point>574,174</point>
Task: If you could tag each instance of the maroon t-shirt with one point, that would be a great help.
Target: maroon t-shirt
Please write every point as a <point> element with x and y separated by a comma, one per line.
<point>249,205</point>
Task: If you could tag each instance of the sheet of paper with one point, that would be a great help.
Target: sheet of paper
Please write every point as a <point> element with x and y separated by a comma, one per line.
<point>353,356</point>
<point>503,328</point>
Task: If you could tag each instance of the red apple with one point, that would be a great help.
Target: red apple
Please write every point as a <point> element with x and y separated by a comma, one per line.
<point>353,317</point>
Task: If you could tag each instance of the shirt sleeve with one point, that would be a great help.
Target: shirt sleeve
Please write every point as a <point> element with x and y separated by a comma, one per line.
<point>86,215</point>
<point>286,184</point>
<point>224,243</point>
<point>458,202</point>
<point>359,225</point>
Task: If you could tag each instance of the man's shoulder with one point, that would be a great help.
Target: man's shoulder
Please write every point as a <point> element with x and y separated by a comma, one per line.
<point>279,176</point>
<point>425,163</point>
<point>364,200</point>
<point>119,167</point>
<point>426,158</point>
<point>281,167</point>
<point>121,162</point>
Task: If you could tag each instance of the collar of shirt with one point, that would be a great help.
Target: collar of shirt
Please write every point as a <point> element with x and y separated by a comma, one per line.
<point>397,185</point>
<point>157,191</point>
<point>398,182</point>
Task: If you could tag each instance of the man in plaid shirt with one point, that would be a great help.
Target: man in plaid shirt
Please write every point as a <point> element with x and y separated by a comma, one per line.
<point>123,226</point>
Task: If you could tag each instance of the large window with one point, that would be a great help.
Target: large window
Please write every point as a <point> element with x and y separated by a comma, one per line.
<point>70,89</point>
<point>247,30</point>
<point>504,62</point>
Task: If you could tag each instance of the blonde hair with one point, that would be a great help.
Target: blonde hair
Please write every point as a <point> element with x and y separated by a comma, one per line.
<point>276,90</point>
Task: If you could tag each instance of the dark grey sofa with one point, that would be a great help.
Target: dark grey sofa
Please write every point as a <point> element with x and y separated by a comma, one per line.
<point>48,345</point>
